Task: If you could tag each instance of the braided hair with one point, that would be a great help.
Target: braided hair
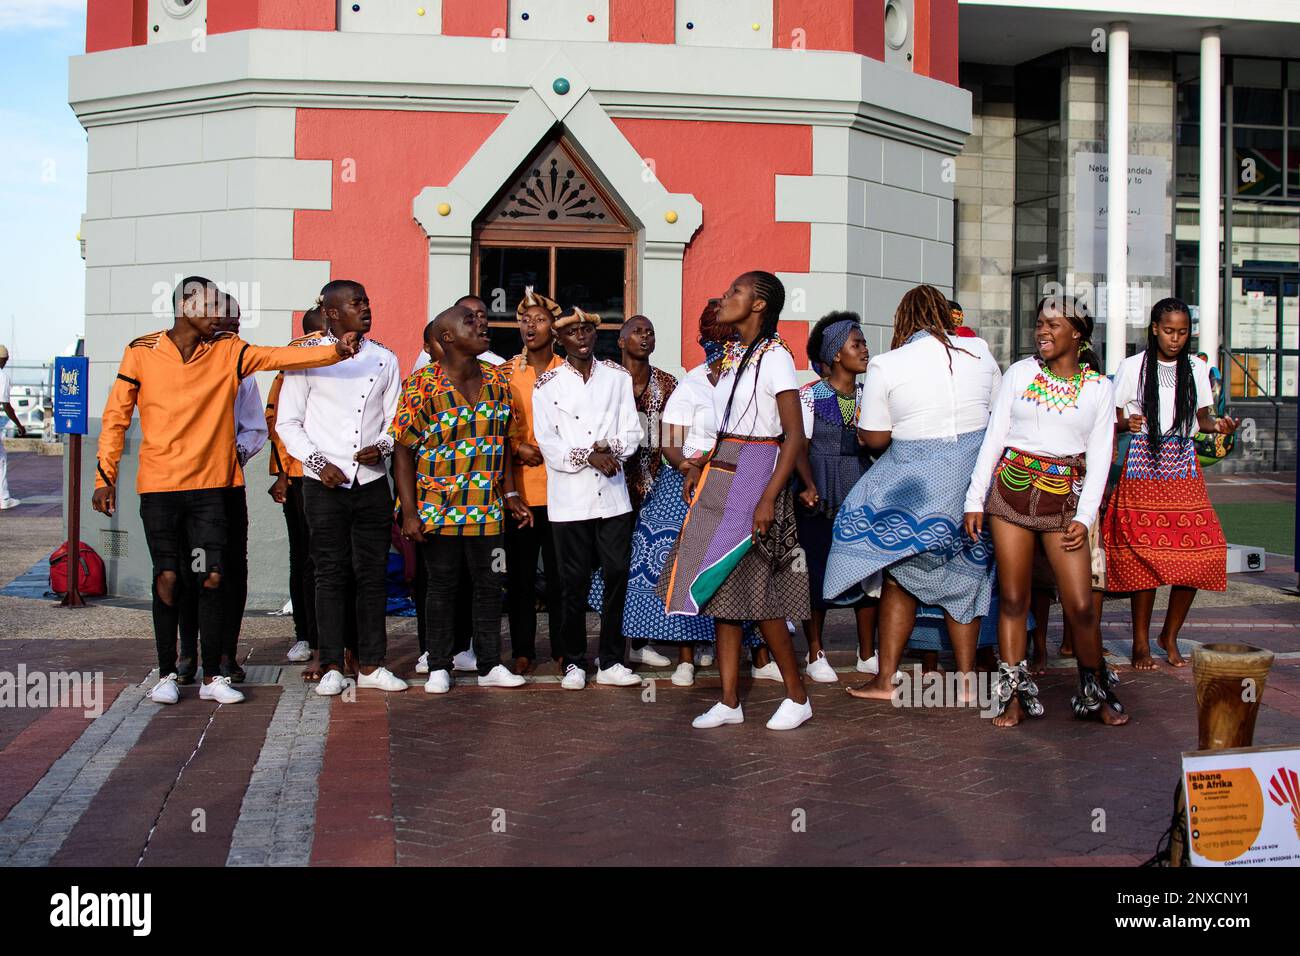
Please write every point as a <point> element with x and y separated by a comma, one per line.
<point>768,288</point>
<point>925,309</point>
<point>1149,379</point>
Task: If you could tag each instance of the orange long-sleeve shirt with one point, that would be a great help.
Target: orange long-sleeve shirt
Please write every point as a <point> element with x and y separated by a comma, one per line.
<point>187,420</point>
<point>281,460</point>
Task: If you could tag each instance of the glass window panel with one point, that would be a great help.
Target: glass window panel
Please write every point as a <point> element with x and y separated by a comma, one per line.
<point>1265,236</point>
<point>1290,369</point>
<point>1293,164</point>
<point>1258,163</point>
<point>1290,314</point>
<point>593,279</point>
<point>1252,374</point>
<point>1037,228</point>
<point>1253,302</point>
<point>1038,163</point>
<point>1252,71</point>
<point>1188,162</point>
<point>1188,102</point>
<point>1294,97</point>
<point>1262,107</point>
<point>503,273</point>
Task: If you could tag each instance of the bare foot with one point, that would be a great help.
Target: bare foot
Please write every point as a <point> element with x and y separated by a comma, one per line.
<point>1112,719</point>
<point>1067,648</point>
<point>877,688</point>
<point>1038,666</point>
<point>1171,649</point>
<point>1142,658</point>
<point>1012,715</point>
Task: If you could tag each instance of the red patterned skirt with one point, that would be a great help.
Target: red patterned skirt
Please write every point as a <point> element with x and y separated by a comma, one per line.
<point>1160,527</point>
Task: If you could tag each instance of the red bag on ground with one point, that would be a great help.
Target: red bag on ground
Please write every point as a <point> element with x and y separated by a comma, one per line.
<point>91,581</point>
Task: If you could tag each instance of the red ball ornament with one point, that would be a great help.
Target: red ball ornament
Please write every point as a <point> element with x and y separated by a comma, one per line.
<point>591,18</point>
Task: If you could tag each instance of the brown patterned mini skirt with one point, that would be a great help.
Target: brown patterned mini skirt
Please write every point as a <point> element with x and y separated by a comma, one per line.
<point>1034,491</point>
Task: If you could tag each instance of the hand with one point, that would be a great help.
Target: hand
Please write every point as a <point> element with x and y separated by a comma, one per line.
<point>809,498</point>
<point>104,500</point>
<point>1135,423</point>
<point>1226,425</point>
<point>279,491</point>
<point>412,527</point>
<point>332,476</point>
<point>1074,537</point>
<point>974,524</point>
<point>370,455</point>
<point>348,344</point>
<point>520,511</point>
<point>692,473</point>
<point>22,431</point>
<point>529,455</point>
<point>764,515</point>
<point>604,462</point>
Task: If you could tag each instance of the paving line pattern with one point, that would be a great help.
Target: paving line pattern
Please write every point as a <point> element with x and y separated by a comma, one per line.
<point>38,824</point>
<point>277,818</point>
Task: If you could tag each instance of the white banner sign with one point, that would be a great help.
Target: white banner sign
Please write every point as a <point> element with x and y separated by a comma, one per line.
<point>1243,806</point>
<point>1148,178</point>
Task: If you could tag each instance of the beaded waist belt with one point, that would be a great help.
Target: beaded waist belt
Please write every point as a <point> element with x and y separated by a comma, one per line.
<point>1019,470</point>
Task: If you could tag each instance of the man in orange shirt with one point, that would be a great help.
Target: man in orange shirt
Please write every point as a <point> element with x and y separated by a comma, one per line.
<point>184,380</point>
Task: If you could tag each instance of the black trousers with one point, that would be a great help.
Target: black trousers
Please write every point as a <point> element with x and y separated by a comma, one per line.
<point>351,529</point>
<point>186,534</point>
<point>523,545</point>
<point>234,583</point>
<point>448,557</point>
<point>302,572</point>
<point>463,630</point>
<point>580,547</point>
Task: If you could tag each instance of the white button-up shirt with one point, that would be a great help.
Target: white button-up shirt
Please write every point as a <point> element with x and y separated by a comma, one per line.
<point>569,416</point>
<point>327,415</point>
<point>250,421</point>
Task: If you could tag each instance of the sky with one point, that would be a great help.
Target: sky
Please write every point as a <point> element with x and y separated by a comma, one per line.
<point>42,179</point>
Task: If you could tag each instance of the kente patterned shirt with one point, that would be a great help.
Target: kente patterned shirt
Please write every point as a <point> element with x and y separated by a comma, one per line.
<point>459,449</point>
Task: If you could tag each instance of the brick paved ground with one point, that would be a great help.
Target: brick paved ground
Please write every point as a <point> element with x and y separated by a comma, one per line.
<point>615,776</point>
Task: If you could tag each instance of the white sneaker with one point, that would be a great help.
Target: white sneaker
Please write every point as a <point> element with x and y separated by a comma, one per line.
<point>647,655</point>
<point>575,678</point>
<point>705,657</point>
<point>768,671</point>
<point>9,503</point>
<point>821,671</point>
<point>220,691</point>
<point>465,661</point>
<point>422,663</point>
<point>300,653</point>
<point>165,691</point>
<point>790,715</point>
<point>501,676</point>
<point>717,715</point>
<point>331,684</point>
<point>684,676</point>
<point>870,666</point>
<point>616,675</point>
<point>439,682</point>
<point>381,679</point>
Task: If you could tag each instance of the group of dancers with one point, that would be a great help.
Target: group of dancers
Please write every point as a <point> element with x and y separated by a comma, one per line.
<point>704,514</point>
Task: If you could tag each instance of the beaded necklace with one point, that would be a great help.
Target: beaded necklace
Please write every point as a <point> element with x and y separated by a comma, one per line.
<point>1053,392</point>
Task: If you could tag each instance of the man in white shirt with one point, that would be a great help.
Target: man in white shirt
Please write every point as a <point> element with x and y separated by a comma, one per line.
<point>586,425</point>
<point>5,500</point>
<point>336,425</point>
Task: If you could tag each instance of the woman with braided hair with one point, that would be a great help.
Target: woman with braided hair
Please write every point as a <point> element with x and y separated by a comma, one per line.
<point>1160,527</point>
<point>1040,476</point>
<point>925,405</point>
<point>736,558</point>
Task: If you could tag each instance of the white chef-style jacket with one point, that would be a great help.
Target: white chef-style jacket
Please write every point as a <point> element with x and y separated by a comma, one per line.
<point>250,421</point>
<point>569,416</point>
<point>328,414</point>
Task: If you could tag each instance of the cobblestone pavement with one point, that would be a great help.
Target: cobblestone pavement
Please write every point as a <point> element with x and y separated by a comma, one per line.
<point>614,776</point>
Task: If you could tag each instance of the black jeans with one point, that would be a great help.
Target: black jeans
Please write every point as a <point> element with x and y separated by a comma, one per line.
<point>463,631</point>
<point>186,534</point>
<point>522,548</point>
<point>580,546</point>
<point>447,558</point>
<point>351,529</point>
<point>302,572</point>
<point>234,583</point>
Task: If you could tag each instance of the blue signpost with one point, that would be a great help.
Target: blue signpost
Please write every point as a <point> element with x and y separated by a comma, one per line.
<point>71,374</point>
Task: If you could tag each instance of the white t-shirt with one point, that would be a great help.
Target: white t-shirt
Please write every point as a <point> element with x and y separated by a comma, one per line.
<point>489,356</point>
<point>1128,389</point>
<point>1025,416</point>
<point>754,411</point>
<point>4,386</point>
<point>690,406</point>
<point>910,391</point>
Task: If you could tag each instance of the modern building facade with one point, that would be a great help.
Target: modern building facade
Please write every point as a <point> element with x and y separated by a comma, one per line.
<point>627,156</point>
<point>1201,100</point>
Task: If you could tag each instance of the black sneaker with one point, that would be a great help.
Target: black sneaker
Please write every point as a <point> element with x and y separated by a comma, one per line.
<point>232,670</point>
<point>186,671</point>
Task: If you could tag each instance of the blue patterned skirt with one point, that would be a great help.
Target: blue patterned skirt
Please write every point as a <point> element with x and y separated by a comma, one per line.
<point>905,517</point>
